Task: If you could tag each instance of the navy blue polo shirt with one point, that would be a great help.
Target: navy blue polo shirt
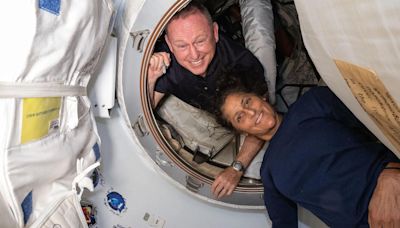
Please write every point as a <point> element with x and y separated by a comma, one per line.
<point>200,91</point>
<point>323,159</point>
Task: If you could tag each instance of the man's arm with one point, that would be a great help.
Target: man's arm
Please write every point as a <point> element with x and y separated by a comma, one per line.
<point>384,206</point>
<point>159,63</point>
<point>228,179</point>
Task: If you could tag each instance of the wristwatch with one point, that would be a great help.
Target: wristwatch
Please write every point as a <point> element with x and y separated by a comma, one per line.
<point>238,166</point>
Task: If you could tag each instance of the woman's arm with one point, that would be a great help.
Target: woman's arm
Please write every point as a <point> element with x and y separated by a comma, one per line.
<point>384,206</point>
<point>281,210</point>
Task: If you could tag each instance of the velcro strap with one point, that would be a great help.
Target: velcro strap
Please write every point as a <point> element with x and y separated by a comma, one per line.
<point>47,89</point>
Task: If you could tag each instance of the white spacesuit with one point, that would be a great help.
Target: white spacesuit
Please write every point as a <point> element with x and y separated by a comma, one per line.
<point>48,141</point>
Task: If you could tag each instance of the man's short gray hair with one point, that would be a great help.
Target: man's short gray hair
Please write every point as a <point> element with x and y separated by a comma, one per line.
<point>191,8</point>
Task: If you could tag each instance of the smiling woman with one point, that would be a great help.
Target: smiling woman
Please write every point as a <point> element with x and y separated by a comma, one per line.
<point>251,114</point>
<point>344,160</point>
<point>245,111</point>
<point>238,79</point>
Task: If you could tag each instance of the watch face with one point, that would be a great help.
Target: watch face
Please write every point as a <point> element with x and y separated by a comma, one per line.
<point>237,166</point>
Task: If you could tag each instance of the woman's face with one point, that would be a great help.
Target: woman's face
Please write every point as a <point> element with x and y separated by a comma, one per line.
<point>251,114</point>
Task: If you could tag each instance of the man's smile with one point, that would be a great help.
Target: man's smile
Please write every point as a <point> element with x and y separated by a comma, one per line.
<point>259,117</point>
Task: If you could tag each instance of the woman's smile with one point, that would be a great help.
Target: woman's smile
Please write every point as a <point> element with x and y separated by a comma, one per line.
<point>251,114</point>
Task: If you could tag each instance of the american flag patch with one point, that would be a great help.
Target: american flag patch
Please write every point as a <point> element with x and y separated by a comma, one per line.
<point>52,6</point>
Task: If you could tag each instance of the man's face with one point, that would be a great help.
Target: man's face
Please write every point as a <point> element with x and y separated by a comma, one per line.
<point>192,41</point>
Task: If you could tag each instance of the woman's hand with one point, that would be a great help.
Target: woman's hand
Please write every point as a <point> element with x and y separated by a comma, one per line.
<point>226,182</point>
<point>384,206</point>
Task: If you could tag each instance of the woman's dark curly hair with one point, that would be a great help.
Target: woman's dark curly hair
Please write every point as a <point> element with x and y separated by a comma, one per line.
<point>237,79</point>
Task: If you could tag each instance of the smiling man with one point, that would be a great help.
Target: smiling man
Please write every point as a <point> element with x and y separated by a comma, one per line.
<point>188,65</point>
<point>194,53</point>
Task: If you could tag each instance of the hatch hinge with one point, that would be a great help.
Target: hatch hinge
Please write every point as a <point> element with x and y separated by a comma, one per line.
<point>193,184</point>
<point>140,127</point>
<point>161,159</point>
<point>139,37</point>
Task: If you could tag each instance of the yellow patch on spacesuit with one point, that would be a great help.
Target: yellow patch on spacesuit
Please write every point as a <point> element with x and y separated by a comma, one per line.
<point>375,99</point>
<point>39,117</point>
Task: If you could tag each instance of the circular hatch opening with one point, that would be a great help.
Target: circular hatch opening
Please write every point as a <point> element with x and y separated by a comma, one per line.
<point>193,166</point>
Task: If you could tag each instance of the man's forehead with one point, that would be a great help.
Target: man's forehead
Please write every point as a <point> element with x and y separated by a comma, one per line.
<point>196,17</point>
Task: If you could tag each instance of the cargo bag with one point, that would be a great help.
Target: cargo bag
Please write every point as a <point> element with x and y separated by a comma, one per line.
<point>198,129</point>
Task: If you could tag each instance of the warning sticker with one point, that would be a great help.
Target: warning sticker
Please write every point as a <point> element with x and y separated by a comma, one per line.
<point>375,99</point>
<point>39,117</point>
